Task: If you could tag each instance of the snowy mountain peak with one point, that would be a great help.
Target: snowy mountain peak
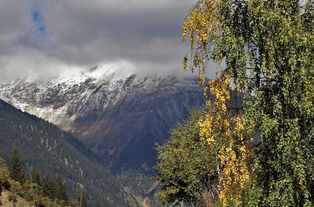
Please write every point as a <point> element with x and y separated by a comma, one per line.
<point>101,71</point>
<point>112,72</point>
<point>75,92</point>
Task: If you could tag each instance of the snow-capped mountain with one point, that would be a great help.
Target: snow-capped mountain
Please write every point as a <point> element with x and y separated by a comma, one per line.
<point>53,100</point>
<point>119,115</point>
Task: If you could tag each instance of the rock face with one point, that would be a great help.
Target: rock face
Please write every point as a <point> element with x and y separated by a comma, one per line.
<point>118,115</point>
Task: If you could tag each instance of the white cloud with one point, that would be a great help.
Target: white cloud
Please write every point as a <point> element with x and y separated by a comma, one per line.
<point>82,33</point>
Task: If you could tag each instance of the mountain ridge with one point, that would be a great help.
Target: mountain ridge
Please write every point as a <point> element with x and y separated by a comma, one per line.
<point>120,116</point>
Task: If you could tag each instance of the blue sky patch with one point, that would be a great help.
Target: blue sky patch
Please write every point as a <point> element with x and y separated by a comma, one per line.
<point>38,22</point>
<point>37,17</point>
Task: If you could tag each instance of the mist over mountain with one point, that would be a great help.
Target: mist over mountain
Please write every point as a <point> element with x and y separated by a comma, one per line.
<point>120,116</point>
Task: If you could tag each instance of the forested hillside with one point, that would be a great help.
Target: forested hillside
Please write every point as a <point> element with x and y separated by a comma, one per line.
<point>19,189</point>
<point>45,147</point>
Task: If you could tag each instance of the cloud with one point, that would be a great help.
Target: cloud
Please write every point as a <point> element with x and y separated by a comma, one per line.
<point>38,37</point>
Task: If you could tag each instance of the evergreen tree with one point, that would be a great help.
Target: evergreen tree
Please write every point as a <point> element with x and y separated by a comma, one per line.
<point>60,189</point>
<point>97,204</point>
<point>16,169</point>
<point>4,174</point>
<point>81,199</point>
<point>36,178</point>
<point>48,187</point>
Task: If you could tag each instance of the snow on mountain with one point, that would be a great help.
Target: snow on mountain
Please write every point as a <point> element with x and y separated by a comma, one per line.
<point>51,100</point>
<point>112,110</point>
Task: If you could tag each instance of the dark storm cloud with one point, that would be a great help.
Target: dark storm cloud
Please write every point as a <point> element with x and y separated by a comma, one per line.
<point>45,37</point>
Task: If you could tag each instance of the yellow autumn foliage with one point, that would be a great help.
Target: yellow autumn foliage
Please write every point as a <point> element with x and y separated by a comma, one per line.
<point>266,53</point>
<point>224,129</point>
<point>220,127</point>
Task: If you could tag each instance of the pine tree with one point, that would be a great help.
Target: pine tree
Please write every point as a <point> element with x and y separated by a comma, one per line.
<point>36,178</point>
<point>48,187</point>
<point>16,169</point>
<point>81,199</point>
<point>4,174</point>
<point>97,204</point>
<point>60,189</point>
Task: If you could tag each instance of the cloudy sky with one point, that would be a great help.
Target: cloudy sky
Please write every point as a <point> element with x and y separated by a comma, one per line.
<point>45,37</point>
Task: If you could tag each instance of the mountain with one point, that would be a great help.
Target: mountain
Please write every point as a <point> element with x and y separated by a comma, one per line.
<point>45,147</point>
<point>117,114</point>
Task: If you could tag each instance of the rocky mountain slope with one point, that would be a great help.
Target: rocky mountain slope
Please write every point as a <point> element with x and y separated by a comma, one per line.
<point>118,115</point>
<point>45,147</point>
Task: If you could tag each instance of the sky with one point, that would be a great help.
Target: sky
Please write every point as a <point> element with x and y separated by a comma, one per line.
<point>44,38</point>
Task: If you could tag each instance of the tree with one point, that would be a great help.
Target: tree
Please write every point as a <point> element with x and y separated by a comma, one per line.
<point>227,130</point>
<point>60,189</point>
<point>4,174</point>
<point>16,169</point>
<point>48,187</point>
<point>81,199</point>
<point>267,47</point>
<point>97,204</point>
<point>36,177</point>
<point>187,166</point>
